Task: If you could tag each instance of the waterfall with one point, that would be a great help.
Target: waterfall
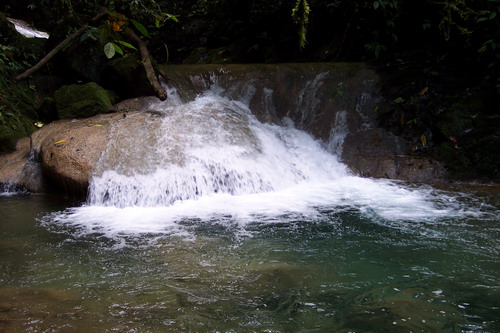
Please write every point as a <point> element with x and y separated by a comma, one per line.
<point>231,147</point>
<point>207,146</point>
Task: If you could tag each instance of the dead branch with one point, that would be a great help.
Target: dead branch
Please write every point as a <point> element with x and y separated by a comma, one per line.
<point>148,66</point>
<point>58,48</point>
<point>143,50</point>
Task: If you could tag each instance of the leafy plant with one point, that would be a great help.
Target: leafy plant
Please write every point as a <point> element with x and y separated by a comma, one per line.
<point>300,15</point>
<point>109,34</point>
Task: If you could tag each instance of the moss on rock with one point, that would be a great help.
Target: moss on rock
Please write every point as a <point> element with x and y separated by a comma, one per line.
<point>81,101</point>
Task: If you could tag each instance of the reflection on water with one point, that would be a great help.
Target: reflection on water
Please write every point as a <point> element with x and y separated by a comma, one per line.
<point>342,269</point>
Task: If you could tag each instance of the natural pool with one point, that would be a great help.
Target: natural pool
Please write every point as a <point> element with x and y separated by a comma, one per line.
<point>219,223</point>
<point>352,265</point>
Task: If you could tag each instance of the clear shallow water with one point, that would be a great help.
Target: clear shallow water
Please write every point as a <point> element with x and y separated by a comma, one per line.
<point>345,266</point>
<point>238,226</point>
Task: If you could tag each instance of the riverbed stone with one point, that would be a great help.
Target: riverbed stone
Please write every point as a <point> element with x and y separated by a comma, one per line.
<point>40,309</point>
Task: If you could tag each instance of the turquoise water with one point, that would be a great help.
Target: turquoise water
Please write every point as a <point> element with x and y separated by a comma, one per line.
<point>344,268</point>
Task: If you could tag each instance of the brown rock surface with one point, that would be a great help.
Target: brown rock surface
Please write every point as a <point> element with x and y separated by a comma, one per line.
<point>69,150</point>
<point>20,169</point>
<point>334,102</point>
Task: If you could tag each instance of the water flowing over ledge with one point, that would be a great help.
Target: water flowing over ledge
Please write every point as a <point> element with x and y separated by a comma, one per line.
<point>334,103</point>
<point>211,159</point>
<point>204,216</point>
<point>207,146</point>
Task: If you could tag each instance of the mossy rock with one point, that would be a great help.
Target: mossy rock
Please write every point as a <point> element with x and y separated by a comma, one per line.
<point>82,101</point>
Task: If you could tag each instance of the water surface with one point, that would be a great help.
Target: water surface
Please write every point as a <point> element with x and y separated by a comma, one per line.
<point>339,267</point>
<point>210,221</point>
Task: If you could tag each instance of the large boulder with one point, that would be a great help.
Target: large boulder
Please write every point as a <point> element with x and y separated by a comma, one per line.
<point>80,101</point>
<point>335,104</point>
<point>379,154</point>
<point>68,150</point>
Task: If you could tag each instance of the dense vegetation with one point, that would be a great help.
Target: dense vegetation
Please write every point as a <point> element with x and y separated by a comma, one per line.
<point>438,58</point>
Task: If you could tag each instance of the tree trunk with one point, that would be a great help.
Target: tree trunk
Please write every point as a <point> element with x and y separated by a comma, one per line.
<point>148,66</point>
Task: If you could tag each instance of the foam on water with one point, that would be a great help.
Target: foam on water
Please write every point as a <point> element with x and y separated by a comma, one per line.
<point>208,146</point>
<point>7,190</point>
<point>385,202</point>
<point>230,168</point>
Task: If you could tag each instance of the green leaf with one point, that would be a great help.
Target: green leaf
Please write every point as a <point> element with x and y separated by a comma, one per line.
<point>109,50</point>
<point>123,43</point>
<point>117,49</point>
<point>376,4</point>
<point>142,29</point>
<point>170,16</point>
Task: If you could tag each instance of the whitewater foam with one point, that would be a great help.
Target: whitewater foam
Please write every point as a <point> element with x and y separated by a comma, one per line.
<point>214,162</point>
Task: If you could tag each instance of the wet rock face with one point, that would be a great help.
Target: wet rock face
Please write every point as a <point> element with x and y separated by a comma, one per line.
<point>378,153</point>
<point>336,103</point>
<point>309,94</point>
<point>21,169</point>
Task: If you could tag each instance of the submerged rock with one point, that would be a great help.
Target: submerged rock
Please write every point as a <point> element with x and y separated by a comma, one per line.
<point>38,309</point>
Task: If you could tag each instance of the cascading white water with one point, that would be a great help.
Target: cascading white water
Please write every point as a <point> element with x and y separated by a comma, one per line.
<point>211,160</point>
<point>207,146</point>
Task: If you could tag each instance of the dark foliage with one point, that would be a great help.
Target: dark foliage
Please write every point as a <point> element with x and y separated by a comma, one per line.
<point>438,59</point>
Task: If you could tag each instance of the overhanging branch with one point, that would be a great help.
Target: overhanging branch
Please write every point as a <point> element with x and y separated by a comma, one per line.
<point>148,66</point>
<point>58,48</point>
